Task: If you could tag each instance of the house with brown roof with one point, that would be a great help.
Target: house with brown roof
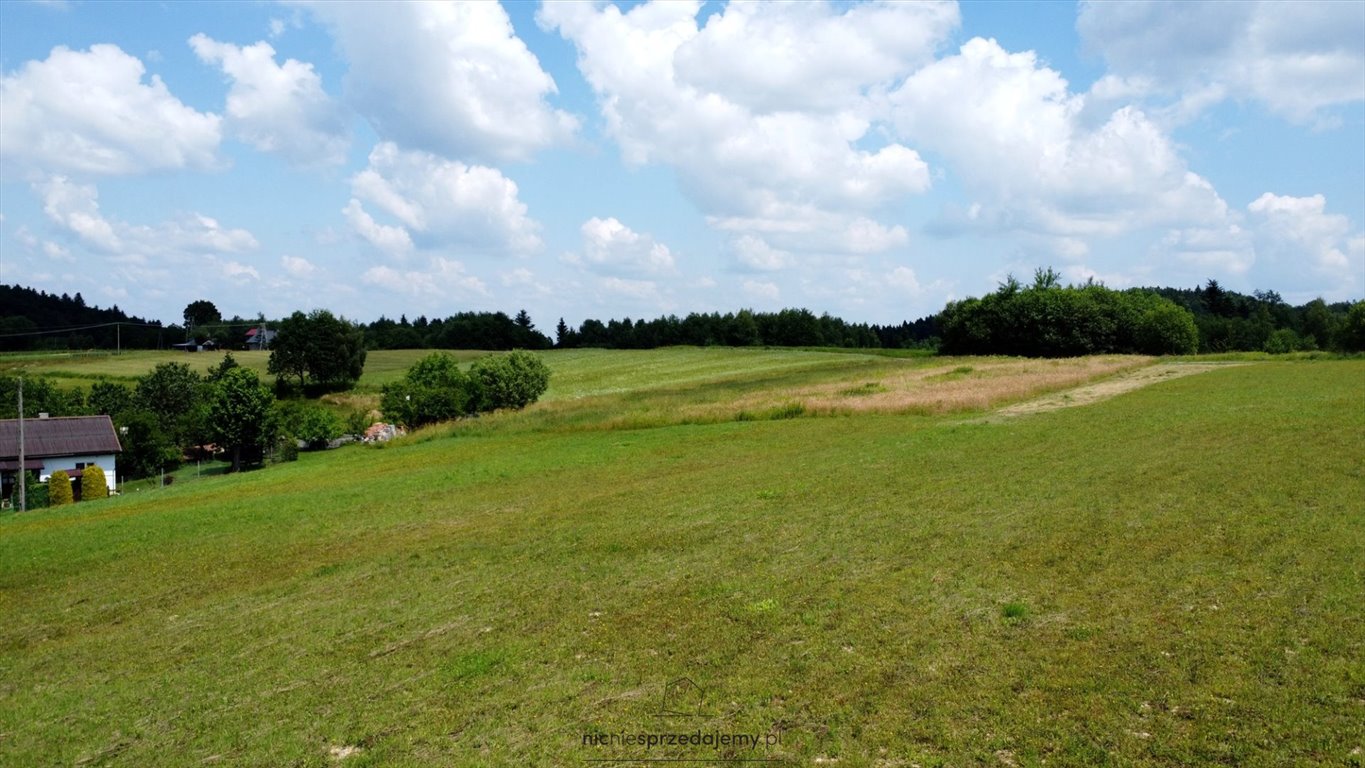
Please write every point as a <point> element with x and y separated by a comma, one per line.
<point>71,443</point>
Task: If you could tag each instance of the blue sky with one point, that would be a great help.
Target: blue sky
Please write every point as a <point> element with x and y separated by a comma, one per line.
<point>868,160</point>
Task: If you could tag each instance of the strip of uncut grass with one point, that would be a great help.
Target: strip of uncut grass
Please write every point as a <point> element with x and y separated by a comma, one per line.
<point>1184,558</point>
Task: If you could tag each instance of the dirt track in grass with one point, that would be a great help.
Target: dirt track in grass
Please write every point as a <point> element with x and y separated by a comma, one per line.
<point>1103,390</point>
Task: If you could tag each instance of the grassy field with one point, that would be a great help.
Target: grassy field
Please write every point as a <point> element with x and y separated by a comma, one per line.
<point>679,384</point>
<point>1169,577</point>
<point>80,368</point>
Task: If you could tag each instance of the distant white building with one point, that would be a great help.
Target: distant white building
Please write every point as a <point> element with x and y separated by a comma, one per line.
<point>70,443</point>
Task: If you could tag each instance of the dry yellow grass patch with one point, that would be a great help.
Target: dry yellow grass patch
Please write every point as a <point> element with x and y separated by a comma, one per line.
<point>965,384</point>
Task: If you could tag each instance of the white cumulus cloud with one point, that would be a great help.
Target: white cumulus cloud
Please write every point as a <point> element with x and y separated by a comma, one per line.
<point>438,204</point>
<point>1297,232</point>
<point>1297,58</point>
<point>448,78</point>
<point>811,55</point>
<point>1012,130</point>
<point>610,247</point>
<point>755,158</point>
<point>91,112</point>
<point>439,277</point>
<point>75,208</point>
<point>278,108</point>
<point>297,266</point>
<point>753,253</point>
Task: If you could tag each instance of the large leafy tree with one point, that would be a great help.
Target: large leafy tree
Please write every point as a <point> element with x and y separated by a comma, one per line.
<point>242,414</point>
<point>318,349</point>
<point>40,396</point>
<point>146,448</point>
<point>174,394</point>
<point>201,312</point>
<point>290,349</point>
<point>109,399</point>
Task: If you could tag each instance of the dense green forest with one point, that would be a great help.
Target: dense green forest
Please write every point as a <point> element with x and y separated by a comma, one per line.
<point>32,319</point>
<point>1055,320</point>
<point>787,328</point>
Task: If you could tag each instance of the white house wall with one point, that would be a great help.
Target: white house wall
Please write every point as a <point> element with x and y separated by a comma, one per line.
<point>104,460</point>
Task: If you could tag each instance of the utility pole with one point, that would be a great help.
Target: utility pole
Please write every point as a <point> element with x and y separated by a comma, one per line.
<point>118,336</point>
<point>23,471</point>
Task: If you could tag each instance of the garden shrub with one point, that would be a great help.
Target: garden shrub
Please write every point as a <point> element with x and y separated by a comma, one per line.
<point>93,483</point>
<point>59,489</point>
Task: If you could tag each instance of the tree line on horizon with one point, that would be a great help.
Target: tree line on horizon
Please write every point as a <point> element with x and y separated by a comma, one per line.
<point>1033,320</point>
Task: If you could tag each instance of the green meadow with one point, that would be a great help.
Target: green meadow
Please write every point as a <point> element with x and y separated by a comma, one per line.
<point>381,367</point>
<point>834,555</point>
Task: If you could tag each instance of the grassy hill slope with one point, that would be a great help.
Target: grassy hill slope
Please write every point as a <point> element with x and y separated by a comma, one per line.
<point>1169,577</point>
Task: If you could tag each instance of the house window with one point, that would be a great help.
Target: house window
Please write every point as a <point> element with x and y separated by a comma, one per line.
<point>80,465</point>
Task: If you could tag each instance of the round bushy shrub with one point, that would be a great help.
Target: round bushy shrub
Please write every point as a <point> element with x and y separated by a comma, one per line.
<point>1167,329</point>
<point>434,389</point>
<point>93,483</point>
<point>59,489</point>
<point>514,380</point>
<point>1284,340</point>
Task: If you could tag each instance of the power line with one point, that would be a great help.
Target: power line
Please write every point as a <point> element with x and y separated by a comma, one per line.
<point>72,328</point>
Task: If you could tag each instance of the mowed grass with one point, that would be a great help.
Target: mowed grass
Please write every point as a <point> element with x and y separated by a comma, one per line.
<point>381,366</point>
<point>614,388</point>
<point>1170,577</point>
